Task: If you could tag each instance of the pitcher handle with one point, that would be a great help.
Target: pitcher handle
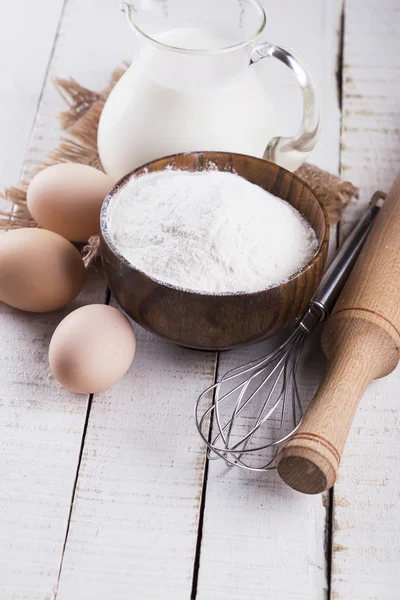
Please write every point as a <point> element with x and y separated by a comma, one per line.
<point>291,152</point>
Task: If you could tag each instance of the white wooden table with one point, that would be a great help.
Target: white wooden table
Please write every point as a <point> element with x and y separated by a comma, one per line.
<point>106,498</point>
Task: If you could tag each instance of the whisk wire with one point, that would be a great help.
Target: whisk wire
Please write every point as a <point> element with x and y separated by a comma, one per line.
<point>239,408</point>
<point>278,370</point>
<point>281,409</point>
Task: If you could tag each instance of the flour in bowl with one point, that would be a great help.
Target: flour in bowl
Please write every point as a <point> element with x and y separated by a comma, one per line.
<point>209,231</point>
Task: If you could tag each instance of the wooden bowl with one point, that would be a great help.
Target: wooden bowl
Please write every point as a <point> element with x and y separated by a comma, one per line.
<point>218,321</point>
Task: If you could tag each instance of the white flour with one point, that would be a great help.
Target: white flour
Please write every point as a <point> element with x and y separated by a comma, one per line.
<point>209,231</point>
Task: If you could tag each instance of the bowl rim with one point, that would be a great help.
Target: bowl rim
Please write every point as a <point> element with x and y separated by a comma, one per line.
<point>105,234</point>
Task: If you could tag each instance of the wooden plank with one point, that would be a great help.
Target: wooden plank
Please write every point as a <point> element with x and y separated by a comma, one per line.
<point>371,134</point>
<point>40,436</point>
<point>313,31</point>
<point>27,35</point>
<point>32,573</point>
<point>143,543</point>
<point>92,551</point>
<point>41,426</point>
<point>260,538</point>
<point>133,529</point>
<point>366,552</point>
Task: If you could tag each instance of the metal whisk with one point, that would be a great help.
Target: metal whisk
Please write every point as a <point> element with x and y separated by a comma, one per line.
<point>264,392</point>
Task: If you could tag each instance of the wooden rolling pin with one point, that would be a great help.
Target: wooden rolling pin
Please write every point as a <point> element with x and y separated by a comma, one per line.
<point>361,340</point>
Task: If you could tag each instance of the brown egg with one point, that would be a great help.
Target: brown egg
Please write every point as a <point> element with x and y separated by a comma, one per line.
<point>40,271</point>
<point>91,349</point>
<point>67,199</point>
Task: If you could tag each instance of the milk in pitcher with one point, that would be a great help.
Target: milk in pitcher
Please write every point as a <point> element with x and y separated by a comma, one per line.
<point>169,102</point>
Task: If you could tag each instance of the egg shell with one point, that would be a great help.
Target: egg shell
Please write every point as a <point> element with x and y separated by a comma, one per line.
<point>91,349</point>
<point>40,271</point>
<point>67,199</point>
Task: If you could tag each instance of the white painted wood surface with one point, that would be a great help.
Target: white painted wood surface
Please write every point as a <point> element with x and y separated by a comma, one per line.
<point>40,435</point>
<point>40,429</point>
<point>261,539</point>
<point>90,558</point>
<point>133,529</point>
<point>134,523</point>
<point>366,550</point>
<point>27,37</point>
<point>41,425</point>
<point>311,28</point>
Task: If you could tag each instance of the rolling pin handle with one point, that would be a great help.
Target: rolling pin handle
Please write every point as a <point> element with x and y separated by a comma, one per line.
<point>361,340</point>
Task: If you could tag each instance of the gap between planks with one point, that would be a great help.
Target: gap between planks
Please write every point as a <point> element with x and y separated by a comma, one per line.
<point>85,427</point>
<point>77,14</point>
<point>197,558</point>
<point>331,493</point>
<point>107,299</point>
<point>79,465</point>
<point>366,520</point>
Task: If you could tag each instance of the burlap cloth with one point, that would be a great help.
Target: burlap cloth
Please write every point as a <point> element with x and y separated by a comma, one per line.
<point>79,144</point>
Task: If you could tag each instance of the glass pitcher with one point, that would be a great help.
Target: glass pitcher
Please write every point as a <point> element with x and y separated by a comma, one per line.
<point>193,86</point>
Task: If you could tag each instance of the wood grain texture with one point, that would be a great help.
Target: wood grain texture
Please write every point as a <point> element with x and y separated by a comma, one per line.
<point>40,433</point>
<point>259,539</point>
<point>367,515</point>
<point>27,34</point>
<point>359,349</point>
<point>41,425</point>
<point>44,429</point>
<point>136,567</point>
<point>370,154</point>
<point>215,321</point>
<point>361,340</point>
<point>133,530</point>
<point>134,523</point>
<point>287,22</point>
